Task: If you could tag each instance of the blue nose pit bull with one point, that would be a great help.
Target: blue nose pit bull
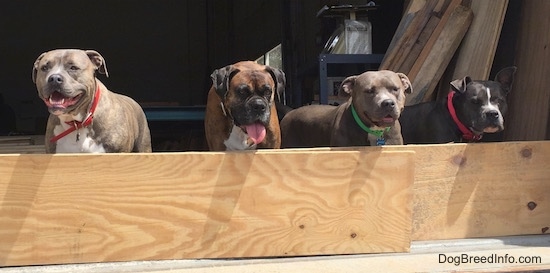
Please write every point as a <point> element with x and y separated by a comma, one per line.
<point>471,109</point>
<point>368,118</point>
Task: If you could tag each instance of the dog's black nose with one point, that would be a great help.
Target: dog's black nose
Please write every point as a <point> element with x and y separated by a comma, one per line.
<point>492,114</point>
<point>55,78</point>
<point>388,104</point>
<point>258,105</point>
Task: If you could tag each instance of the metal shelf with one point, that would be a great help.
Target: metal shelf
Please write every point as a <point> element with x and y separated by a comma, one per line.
<point>326,59</point>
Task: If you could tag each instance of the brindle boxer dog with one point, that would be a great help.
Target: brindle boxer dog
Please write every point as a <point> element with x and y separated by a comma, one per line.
<point>240,111</point>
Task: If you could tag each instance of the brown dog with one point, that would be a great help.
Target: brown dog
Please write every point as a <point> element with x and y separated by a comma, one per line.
<point>85,117</point>
<point>368,118</point>
<point>240,111</point>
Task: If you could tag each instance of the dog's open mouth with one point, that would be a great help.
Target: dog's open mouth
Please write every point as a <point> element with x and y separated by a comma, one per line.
<point>388,119</point>
<point>491,129</point>
<point>57,100</point>
<point>385,121</point>
<point>256,131</point>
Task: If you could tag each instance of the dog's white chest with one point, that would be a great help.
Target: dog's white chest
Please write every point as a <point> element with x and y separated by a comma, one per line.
<point>238,140</point>
<point>70,144</point>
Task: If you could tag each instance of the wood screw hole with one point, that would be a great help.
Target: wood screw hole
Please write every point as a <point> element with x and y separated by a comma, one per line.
<point>531,205</point>
<point>527,152</point>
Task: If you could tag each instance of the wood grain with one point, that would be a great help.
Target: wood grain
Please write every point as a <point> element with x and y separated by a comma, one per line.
<point>529,108</point>
<point>127,207</point>
<point>436,61</point>
<point>22,144</point>
<point>475,55</point>
<point>480,190</point>
<point>441,17</point>
<point>429,34</point>
<point>409,29</point>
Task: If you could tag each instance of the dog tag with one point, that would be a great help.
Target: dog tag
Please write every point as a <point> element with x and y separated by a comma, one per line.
<point>380,142</point>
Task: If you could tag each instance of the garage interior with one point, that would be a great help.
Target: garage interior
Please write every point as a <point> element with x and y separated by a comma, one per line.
<point>161,53</point>
<point>460,198</point>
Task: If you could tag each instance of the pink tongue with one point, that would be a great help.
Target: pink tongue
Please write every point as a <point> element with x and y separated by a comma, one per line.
<point>388,119</point>
<point>256,132</point>
<point>56,98</point>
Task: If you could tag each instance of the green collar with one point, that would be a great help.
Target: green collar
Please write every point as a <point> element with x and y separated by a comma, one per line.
<point>378,133</point>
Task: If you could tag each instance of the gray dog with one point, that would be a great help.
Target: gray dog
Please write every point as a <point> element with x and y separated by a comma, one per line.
<point>368,118</point>
<point>85,117</point>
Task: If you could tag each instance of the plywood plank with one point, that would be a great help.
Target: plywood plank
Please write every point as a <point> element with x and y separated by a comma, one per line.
<point>529,100</point>
<point>429,34</point>
<point>128,207</point>
<point>410,27</point>
<point>481,190</point>
<point>434,65</point>
<point>23,149</point>
<point>475,55</point>
<point>428,45</point>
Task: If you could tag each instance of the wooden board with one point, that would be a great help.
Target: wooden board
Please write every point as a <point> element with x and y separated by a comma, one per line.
<point>427,39</point>
<point>475,55</point>
<point>529,100</point>
<point>29,144</point>
<point>480,190</point>
<point>413,22</point>
<point>23,149</point>
<point>127,207</point>
<point>428,46</point>
<point>436,61</point>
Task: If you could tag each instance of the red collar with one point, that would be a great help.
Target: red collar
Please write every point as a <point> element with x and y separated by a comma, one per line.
<point>467,134</point>
<point>75,125</point>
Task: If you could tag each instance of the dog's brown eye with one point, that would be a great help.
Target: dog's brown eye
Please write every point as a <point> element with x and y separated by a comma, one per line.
<point>243,90</point>
<point>369,90</point>
<point>44,68</point>
<point>266,91</point>
<point>475,101</point>
<point>74,67</point>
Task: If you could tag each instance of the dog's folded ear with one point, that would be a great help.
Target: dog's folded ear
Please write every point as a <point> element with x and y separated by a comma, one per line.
<point>98,61</point>
<point>460,84</point>
<point>406,83</point>
<point>506,78</point>
<point>346,87</point>
<point>280,80</point>
<point>221,77</point>
<point>35,67</point>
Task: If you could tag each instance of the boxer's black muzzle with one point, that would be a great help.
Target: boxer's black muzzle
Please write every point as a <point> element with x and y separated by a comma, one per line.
<point>255,109</point>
